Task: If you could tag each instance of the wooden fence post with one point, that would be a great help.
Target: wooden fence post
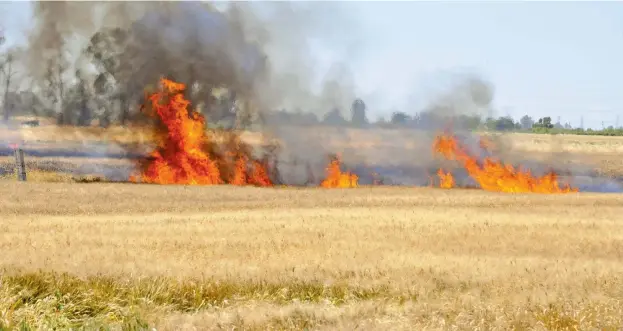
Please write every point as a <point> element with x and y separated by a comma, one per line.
<point>20,165</point>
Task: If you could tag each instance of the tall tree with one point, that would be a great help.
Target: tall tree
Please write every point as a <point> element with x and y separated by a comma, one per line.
<point>8,75</point>
<point>8,72</point>
<point>54,87</point>
<point>105,49</point>
<point>526,122</point>
<point>334,117</point>
<point>359,113</point>
<point>78,100</point>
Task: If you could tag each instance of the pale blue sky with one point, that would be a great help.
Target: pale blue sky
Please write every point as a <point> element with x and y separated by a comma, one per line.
<point>544,58</point>
<point>558,58</point>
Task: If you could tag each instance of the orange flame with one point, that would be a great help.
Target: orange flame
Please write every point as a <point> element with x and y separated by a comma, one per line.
<point>185,154</point>
<point>338,179</point>
<point>240,172</point>
<point>496,176</point>
<point>446,180</point>
<point>259,175</point>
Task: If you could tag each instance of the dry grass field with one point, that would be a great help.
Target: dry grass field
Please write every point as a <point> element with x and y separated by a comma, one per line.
<point>137,257</point>
<point>356,138</point>
<point>200,258</point>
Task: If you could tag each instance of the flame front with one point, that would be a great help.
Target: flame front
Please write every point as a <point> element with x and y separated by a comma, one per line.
<point>496,176</point>
<point>186,155</point>
<point>338,179</point>
<point>182,155</point>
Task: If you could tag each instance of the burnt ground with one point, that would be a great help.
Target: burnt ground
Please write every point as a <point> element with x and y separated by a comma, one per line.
<point>116,163</point>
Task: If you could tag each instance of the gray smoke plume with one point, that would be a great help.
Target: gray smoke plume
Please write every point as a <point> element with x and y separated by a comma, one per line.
<point>260,51</point>
<point>56,23</point>
<point>260,55</point>
<point>103,56</point>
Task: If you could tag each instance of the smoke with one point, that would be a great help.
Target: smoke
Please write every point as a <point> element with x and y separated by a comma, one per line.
<point>272,55</point>
<point>405,156</point>
<point>56,23</point>
<point>471,95</point>
<point>309,50</point>
<point>261,52</point>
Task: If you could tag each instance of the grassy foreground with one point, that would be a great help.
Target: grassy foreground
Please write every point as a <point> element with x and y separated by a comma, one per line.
<point>85,256</point>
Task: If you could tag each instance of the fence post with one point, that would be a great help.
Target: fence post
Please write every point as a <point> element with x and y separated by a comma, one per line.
<point>20,165</point>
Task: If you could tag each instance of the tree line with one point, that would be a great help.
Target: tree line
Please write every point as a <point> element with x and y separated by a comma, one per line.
<point>426,120</point>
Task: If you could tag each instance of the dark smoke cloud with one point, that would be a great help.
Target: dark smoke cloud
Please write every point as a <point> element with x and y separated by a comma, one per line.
<point>236,47</point>
<point>191,43</point>
<point>262,52</point>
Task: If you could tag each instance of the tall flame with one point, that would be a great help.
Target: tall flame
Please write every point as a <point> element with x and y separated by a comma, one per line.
<point>259,175</point>
<point>446,180</point>
<point>493,175</point>
<point>185,154</point>
<point>338,179</point>
<point>240,172</point>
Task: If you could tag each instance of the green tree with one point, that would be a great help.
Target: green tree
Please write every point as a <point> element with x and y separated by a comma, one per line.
<point>490,123</point>
<point>526,122</point>
<point>399,118</point>
<point>544,122</point>
<point>359,113</point>
<point>334,117</point>
<point>505,123</point>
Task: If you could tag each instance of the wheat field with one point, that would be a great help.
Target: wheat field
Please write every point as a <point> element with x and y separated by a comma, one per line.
<point>142,257</point>
<point>130,256</point>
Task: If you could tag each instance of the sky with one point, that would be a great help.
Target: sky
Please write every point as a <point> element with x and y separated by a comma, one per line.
<point>562,59</point>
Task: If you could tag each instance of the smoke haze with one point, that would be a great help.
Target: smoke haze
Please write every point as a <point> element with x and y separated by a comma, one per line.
<point>293,56</point>
<point>272,55</point>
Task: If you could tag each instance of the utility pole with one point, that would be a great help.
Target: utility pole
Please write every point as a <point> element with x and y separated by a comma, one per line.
<point>582,122</point>
<point>20,165</point>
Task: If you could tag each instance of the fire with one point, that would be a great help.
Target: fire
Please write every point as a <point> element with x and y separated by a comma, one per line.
<point>240,172</point>
<point>259,175</point>
<point>493,175</point>
<point>446,180</point>
<point>338,179</point>
<point>185,154</point>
